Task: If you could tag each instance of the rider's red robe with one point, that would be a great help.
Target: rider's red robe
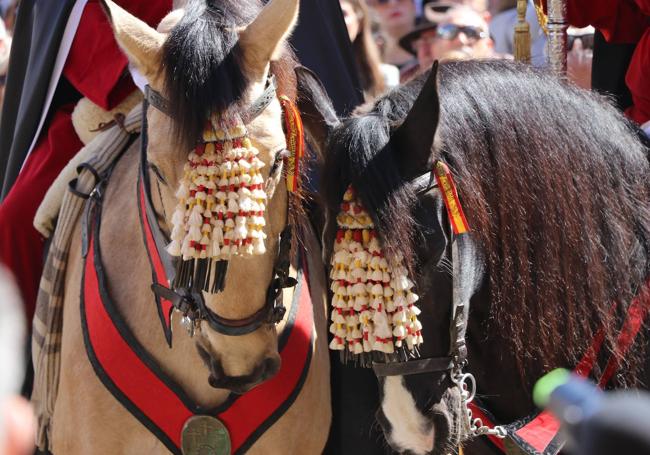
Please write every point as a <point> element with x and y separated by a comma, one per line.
<point>622,21</point>
<point>97,69</point>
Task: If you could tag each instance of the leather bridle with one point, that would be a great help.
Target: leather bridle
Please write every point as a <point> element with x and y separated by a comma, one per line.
<point>456,359</point>
<point>457,356</point>
<point>189,301</point>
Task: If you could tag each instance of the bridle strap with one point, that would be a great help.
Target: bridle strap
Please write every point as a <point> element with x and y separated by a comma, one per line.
<point>190,302</point>
<point>154,98</point>
<point>457,355</point>
<point>157,100</point>
<point>413,366</point>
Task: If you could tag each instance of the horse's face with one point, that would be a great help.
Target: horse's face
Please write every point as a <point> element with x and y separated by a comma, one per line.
<point>240,362</point>
<point>419,413</point>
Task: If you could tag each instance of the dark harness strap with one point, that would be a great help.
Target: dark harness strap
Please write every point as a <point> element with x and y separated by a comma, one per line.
<point>157,100</point>
<point>413,366</point>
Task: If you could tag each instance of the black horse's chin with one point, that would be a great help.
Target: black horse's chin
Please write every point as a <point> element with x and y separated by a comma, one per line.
<point>446,418</point>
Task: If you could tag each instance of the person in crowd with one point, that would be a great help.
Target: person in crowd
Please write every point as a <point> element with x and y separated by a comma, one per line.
<point>502,30</point>
<point>395,19</point>
<point>374,75</point>
<point>8,9</point>
<point>450,31</point>
<point>580,56</point>
<point>5,47</point>
<point>480,6</point>
<point>37,135</point>
<point>17,425</point>
<point>460,29</point>
<point>418,42</point>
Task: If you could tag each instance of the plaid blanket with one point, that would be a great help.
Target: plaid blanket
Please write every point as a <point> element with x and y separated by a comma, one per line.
<point>61,208</point>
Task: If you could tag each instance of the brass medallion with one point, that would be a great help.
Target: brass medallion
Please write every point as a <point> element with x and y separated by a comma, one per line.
<point>205,435</point>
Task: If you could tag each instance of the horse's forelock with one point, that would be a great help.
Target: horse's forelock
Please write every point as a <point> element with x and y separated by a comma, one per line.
<point>203,64</point>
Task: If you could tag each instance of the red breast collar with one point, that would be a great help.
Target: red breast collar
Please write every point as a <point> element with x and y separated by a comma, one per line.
<point>135,379</point>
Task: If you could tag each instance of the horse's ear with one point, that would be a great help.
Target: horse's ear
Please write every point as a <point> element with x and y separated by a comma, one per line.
<point>141,43</point>
<point>262,39</point>
<point>413,139</point>
<point>318,114</point>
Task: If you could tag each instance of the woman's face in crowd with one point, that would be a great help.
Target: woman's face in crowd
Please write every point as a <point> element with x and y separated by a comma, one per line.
<point>351,19</point>
<point>394,14</point>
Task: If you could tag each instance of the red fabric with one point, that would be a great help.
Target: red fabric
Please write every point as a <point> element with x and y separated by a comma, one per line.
<point>539,433</point>
<point>96,66</point>
<point>622,21</point>
<point>21,246</point>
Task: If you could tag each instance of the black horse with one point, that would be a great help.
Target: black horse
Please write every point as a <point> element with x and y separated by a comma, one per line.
<point>555,184</point>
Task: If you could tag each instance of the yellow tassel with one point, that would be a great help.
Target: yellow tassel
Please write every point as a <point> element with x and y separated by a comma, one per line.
<point>522,34</point>
<point>542,18</point>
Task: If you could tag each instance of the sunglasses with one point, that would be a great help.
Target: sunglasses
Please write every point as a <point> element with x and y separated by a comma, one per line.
<point>587,41</point>
<point>451,32</point>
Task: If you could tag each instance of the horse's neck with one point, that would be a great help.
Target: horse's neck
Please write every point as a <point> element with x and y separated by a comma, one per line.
<point>492,360</point>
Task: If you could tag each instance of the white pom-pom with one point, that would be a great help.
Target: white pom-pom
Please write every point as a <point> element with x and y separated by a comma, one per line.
<point>195,220</point>
<point>183,192</point>
<point>174,248</point>
<point>258,247</point>
<point>178,218</point>
<point>336,345</point>
<point>399,331</point>
<point>381,324</point>
<point>194,233</point>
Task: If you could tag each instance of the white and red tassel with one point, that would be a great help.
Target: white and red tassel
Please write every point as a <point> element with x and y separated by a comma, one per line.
<point>221,205</point>
<point>373,306</point>
<point>221,198</point>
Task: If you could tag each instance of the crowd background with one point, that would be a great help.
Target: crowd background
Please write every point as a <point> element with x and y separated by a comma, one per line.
<point>397,39</point>
<point>392,41</point>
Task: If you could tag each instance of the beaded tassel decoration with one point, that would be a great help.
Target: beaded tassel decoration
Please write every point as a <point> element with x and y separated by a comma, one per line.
<point>373,307</point>
<point>221,204</point>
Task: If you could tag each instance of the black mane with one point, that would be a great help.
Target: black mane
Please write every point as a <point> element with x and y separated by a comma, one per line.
<point>555,184</point>
<point>203,63</point>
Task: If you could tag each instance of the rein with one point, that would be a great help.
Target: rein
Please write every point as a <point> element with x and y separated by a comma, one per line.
<point>189,300</point>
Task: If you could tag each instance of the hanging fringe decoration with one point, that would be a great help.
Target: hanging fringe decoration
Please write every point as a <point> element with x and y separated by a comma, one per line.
<point>221,204</point>
<point>542,18</point>
<point>295,142</point>
<point>373,307</point>
<point>522,34</point>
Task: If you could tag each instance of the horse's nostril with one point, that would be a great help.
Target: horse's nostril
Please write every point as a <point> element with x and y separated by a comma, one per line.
<point>241,384</point>
<point>270,367</point>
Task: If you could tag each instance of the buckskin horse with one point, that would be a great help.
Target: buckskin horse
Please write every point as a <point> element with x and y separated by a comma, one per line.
<point>212,70</point>
<point>555,187</point>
